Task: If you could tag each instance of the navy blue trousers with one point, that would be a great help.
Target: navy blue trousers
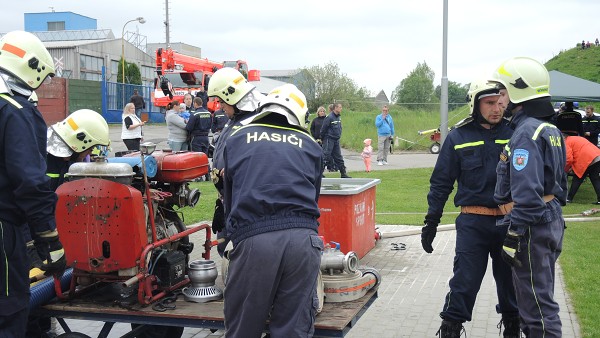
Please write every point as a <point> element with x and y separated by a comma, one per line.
<point>273,273</point>
<point>534,280</point>
<point>477,237</point>
<point>332,155</point>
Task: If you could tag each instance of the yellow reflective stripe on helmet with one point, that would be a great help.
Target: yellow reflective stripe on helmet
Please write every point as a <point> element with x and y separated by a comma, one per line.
<point>468,144</point>
<point>52,175</point>
<point>72,124</point>
<point>238,80</point>
<point>501,141</point>
<point>11,100</point>
<point>539,129</point>
<point>298,100</point>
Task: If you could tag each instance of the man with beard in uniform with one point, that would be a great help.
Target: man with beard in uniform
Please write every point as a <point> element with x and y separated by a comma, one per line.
<point>531,188</point>
<point>469,156</point>
<point>239,100</point>
<point>272,182</point>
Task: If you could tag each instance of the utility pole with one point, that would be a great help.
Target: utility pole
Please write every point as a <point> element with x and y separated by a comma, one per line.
<point>444,88</point>
<point>167,28</point>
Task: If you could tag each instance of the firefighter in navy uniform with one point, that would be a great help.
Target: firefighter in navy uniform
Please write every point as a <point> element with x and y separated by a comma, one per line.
<point>25,195</point>
<point>272,183</point>
<point>469,156</point>
<point>239,100</point>
<point>531,188</point>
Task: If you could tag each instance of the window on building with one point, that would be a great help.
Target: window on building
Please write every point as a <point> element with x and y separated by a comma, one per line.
<point>56,26</point>
<point>90,67</point>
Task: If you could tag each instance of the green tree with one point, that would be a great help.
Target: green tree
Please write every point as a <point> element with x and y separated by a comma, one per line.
<point>416,90</point>
<point>132,73</point>
<point>456,94</point>
<point>331,85</point>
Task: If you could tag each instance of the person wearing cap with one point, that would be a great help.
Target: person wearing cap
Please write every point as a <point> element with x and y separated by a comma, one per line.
<point>272,179</point>
<point>25,195</point>
<point>531,189</point>
<point>469,157</point>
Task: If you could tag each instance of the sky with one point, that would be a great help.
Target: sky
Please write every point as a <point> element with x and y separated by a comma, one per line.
<point>377,43</point>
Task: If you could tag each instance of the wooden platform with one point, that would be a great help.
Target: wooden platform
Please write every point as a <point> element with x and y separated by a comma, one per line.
<point>335,320</point>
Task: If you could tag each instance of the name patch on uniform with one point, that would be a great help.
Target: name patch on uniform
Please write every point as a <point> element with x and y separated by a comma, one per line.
<point>274,137</point>
<point>520,158</point>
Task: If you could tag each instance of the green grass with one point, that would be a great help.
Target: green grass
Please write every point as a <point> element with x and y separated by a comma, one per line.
<point>401,198</point>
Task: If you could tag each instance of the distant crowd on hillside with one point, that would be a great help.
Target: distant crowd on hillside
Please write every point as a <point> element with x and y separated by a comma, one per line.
<point>585,45</point>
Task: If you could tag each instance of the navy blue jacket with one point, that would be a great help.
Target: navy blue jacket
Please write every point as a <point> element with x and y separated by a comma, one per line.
<point>332,127</point>
<point>468,156</point>
<point>219,121</point>
<point>272,180</point>
<point>199,123</point>
<point>591,125</point>
<point>25,194</point>
<point>531,166</point>
<point>231,125</point>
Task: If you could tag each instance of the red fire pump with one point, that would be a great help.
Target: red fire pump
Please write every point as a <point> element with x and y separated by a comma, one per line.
<point>118,224</point>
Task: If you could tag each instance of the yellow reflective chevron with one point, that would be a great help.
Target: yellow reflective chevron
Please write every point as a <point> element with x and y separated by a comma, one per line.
<point>468,144</point>
<point>539,129</point>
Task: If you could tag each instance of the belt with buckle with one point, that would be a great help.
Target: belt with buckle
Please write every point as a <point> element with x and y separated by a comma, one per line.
<point>480,210</point>
<point>506,208</point>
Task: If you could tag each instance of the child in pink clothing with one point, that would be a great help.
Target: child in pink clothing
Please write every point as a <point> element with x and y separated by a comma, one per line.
<point>366,154</point>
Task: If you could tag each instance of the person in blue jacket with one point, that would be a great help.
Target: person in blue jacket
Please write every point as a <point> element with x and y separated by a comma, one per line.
<point>271,189</point>
<point>331,132</point>
<point>469,156</point>
<point>385,132</point>
<point>25,194</point>
<point>531,188</point>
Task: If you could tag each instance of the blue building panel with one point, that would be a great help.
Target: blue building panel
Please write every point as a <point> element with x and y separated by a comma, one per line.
<point>41,22</point>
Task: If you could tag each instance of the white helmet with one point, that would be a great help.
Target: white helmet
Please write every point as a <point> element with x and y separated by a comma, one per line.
<point>524,78</point>
<point>82,130</point>
<point>286,100</point>
<point>229,85</point>
<point>24,56</point>
<point>479,89</point>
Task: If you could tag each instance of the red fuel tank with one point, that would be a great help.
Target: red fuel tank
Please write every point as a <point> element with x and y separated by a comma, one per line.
<point>181,166</point>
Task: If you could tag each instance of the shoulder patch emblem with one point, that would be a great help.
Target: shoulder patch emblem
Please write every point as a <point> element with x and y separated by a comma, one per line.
<point>520,158</point>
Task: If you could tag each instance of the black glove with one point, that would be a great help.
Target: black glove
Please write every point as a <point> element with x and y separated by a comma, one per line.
<point>510,248</point>
<point>218,222</point>
<point>34,258</point>
<point>217,180</point>
<point>427,235</point>
<point>57,261</point>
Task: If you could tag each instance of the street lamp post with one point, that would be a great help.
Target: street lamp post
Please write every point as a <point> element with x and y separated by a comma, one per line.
<point>140,20</point>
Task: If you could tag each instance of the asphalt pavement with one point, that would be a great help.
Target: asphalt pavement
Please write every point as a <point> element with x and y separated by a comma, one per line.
<point>414,283</point>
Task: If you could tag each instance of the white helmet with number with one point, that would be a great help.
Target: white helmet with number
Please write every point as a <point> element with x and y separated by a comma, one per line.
<point>479,89</point>
<point>24,56</point>
<point>524,78</point>
<point>286,100</point>
<point>82,130</point>
<point>229,85</point>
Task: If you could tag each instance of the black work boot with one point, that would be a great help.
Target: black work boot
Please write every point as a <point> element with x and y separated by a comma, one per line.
<point>450,329</point>
<point>512,327</point>
<point>343,173</point>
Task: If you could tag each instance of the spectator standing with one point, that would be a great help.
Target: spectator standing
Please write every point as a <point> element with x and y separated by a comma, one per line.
<point>201,93</point>
<point>366,154</point>
<point>591,125</point>
<point>597,42</point>
<point>584,159</point>
<point>469,157</point>
<point>316,124</point>
<point>188,100</point>
<point>331,132</point>
<point>219,121</point>
<point>138,102</point>
<point>199,126</point>
<point>25,194</point>
<point>531,188</point>
<point>178,136</point>
<point>131,128</point>
<point>385,133</point>
<point>271,190</point>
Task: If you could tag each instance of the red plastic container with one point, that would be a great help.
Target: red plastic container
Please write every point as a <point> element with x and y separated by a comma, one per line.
<point>347,208</point>
<point>177,167</point>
